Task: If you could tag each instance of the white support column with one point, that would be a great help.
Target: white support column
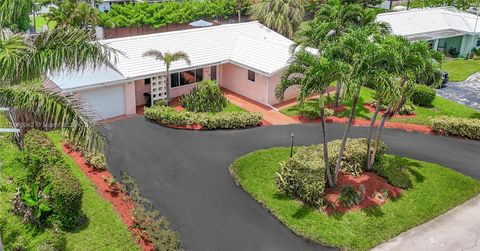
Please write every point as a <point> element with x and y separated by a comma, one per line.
<point>435,44</point>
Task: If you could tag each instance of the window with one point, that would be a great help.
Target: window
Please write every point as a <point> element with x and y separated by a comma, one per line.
<point>186,77</point>
<point>213,72</point>
<point>478,42</point>
<point>251,75</point>
<point>198,75</point>
<point>148,81</point>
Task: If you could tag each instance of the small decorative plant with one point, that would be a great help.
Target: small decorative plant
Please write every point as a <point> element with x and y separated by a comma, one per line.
<point>32,203</point>
<point>349,197</point>
<point>112,184</point>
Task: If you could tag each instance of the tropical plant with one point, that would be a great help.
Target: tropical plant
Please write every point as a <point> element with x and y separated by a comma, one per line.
<point>36,199</point>
<point>283,16</point>
<point>312,74</point>
<point>73,13</point>
<point>411,60</point>
<point>331,21</point>
<point>168,58</point>
<point>349,197</point>
<point>205,97</point>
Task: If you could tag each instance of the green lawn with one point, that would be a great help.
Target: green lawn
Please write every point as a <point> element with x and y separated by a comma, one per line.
<point>436,189</point>
<point>459,69</point>
<point>103,231</point>
<point>441,106</point>
<point>40,21</point>
<point>233,108</point>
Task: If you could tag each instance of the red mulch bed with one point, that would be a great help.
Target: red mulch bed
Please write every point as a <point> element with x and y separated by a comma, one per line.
<point>365,122</point>
<point>121,202</point>
<point>374,186</point>
<point>371,109</point>
<point>340,108</point>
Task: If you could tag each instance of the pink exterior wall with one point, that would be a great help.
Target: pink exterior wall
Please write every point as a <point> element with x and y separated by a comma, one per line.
<point>130,104</point>
<point>234,78</point>
<point>140,88</point>
<point>290,93</point>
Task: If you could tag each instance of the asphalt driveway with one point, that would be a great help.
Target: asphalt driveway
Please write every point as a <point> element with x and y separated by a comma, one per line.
<point>185,174</point>
<point>466,92</point>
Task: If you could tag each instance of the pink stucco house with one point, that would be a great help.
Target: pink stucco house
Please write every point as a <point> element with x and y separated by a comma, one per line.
<point>245,58</point>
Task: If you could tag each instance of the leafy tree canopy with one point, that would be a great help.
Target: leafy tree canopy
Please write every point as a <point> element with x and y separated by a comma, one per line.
<point>74,13</point>
<point>17,14</point>
<point>460,4</point>
<point>161,14</point>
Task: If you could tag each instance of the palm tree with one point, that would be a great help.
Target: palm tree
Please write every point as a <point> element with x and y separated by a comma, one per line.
<point>283,16</point>
<point>25,59</point>
<point>359,52</point>
<point>413,61</point>
<point>312,74</point>
<point>168,58</point>
<point>330,23</point>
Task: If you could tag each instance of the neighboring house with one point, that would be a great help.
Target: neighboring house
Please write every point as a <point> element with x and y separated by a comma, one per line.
<point>245,58</point>
<point>446,28</point>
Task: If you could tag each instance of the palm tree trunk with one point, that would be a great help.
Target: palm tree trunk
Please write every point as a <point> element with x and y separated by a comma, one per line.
<point>337,93</point>
<point>167,85</point>
<point>386,115</point>
<point>239,10</point>
<point>325,145</point>
<point>346,133</point>
<point>370,131</point>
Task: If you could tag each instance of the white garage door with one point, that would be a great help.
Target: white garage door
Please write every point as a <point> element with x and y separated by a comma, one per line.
<point>107,102</point>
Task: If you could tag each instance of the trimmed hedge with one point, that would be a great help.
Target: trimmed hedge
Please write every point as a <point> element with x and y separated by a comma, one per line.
<point>310,112</point>
<point>223,120</point>
<point>66,193</point>
<point>303,176</point>
<point>423,95</point>
<point>205,97</point>
<point>465,127</point>
<point>355,156</point>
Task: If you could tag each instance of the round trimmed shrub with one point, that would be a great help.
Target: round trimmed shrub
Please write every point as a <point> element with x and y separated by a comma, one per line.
<point>422,95</point>
<point>394,172</point>
<point>205,97</point>
<point>96,160</point>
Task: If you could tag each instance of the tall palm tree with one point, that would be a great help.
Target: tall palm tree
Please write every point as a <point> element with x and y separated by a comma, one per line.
<point>312,74</point>
<point>283,16</point>
<point>168,58</point>
<point>359,52</point>
<point>25,59</point>
<point>331,22</point>
<point>414,60</point>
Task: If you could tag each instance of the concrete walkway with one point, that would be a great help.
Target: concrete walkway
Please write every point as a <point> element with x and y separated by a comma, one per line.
<point>272,116</point>
<point>458,229</point>
<point>466,92</point>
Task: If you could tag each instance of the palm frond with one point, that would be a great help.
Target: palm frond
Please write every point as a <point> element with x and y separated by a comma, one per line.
<point>180,55</point>
<point>52,110</point>
<point>153,53</point>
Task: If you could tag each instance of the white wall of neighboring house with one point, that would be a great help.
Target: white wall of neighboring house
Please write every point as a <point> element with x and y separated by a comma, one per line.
<point>103,6</point>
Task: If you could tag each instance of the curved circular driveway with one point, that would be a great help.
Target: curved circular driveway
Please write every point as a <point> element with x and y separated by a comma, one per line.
<point>186,176</point>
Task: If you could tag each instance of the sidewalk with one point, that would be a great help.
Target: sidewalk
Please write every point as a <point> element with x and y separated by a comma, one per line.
<point>269,114</point>
<point>458,229</point>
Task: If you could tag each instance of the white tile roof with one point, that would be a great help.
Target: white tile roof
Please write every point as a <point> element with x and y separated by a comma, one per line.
<point>249,44</point>
<point>416,23</point>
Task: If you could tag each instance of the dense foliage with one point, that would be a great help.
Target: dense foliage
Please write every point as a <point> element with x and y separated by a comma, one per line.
<point>303,176</point>
<point>222,120</point>
<point>423,95</point>
<point>65,196</point>
<point>161,14</point>
<point>151,224</point>
<point>73,13</point>
<point>395,172</point>
<point>349,197</point>
<point>20,19</point>
<point>283,16</point>
<point>465,127</point>
<point>205,97</point>
<point>460,4</point>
